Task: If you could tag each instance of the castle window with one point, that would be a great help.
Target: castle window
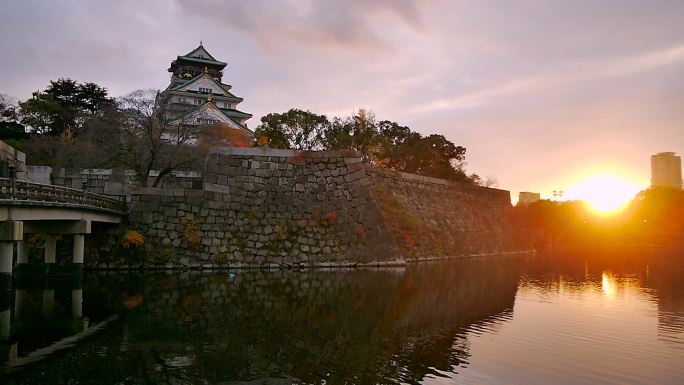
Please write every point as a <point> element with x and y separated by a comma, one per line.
<point>206,121</point>
<point>198,101</point>
<point>205,90</point>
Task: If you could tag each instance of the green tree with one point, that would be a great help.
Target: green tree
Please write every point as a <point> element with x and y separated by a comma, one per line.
<point>398,145</point>
<point>294,129</point>
<point>408,151</point>
<point>357,132</point>
<point>384,143</point>
<point>63,106</point>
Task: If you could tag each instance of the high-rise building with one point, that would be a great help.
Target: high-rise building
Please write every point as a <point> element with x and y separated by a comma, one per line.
<point>666,170</point>
<point>197,95</point>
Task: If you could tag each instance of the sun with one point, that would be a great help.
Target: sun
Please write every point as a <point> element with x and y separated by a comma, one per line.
<point>605,193</point>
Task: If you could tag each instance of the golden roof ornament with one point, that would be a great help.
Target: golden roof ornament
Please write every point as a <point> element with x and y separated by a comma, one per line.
<point>209,97</point>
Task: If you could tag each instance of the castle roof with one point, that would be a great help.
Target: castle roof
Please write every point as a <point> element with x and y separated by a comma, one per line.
<point>210,110</point>
<point>199,55</point>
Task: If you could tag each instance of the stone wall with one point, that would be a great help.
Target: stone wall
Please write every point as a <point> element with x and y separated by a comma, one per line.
<point>435,218</point>
<point>117,182</point>
<point>266,207</point>
<point>11,156</point>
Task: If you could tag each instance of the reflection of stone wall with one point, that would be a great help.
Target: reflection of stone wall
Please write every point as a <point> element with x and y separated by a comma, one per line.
<point>376,325</point>
<point>283,207</point>
<point>363,326</point>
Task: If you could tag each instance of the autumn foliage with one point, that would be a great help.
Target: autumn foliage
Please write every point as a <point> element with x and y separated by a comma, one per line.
<point>132,238</point>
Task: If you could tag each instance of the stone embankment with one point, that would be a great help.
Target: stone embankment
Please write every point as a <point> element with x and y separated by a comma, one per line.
<point>266,207</point>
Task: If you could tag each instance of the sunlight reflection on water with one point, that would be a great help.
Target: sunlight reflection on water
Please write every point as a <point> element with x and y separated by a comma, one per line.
<point>605,327</point>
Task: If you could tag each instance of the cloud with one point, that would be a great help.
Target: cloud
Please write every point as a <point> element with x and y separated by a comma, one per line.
<point>350,24</point>
<point>574,73</point>
<point>527,86</point>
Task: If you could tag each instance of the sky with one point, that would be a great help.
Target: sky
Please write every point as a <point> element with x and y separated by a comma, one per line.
<point>542,93</point>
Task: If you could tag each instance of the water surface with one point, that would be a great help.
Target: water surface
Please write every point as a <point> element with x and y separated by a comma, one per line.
<point>610,319</point>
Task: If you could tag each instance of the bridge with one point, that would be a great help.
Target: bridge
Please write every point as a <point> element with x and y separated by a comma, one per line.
<point>32,208</point>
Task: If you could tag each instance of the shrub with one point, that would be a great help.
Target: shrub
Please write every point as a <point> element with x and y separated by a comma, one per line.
<point>331,216</point>
<point>132,238</point>
<point>360,230</point>
<point>191,234</point>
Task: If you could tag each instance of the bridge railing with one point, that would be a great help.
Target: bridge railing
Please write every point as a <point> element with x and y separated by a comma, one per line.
<point>23,190</point>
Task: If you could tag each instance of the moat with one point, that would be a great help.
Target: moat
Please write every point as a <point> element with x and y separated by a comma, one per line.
<point>509,320</point>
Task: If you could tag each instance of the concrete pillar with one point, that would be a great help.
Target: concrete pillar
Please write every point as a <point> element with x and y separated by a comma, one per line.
<point>5,314</point>
<point>6,255</point>
<point>21,301</point>
<point>5,318</point>
<point>50,248</point>
<point>79,240</point>
<point>77,303</point>
<point>48,303</point>
<point>22,252</point>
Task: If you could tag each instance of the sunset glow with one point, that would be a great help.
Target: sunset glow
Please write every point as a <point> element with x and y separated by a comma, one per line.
<point>605,193</point>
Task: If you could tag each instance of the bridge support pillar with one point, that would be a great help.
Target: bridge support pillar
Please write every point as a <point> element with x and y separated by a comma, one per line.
<point>6,255</point>
<point>10,232</point>
<point>22,300</point>
<point>22,252</point>
<point>77,303</point>
<point>5,325</point>
<point>79,241</point>
<point>48,303</point>
<point>50,248</point>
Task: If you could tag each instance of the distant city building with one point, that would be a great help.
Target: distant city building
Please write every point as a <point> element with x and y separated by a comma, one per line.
<point>197,95</point>
<point>525,197</point>
<point>666,170</point>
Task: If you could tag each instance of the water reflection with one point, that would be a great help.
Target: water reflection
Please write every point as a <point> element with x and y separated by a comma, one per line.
<point>507,320</point>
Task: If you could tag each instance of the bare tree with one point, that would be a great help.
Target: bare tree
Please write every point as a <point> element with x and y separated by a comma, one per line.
<point>148,138</point>
<point>491,181</point>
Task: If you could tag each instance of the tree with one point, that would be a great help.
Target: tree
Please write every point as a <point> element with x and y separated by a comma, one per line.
<point>384,144</point>
<point>294,129</point>
<point>491,181</point>
<point>408,151</point>
<point>65,151</point>
<point>10,128</point>
<point>64,105</point>
<point>146,138</point>
<point>357,132</point>
<point>42,114</point>
<point>398,144</point>
<point>92,98</point>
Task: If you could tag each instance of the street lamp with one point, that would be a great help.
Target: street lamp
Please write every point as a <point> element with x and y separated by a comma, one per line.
<point>557,194</point>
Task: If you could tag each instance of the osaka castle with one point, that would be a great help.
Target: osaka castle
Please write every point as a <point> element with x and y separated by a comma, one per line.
<point>197,94</point>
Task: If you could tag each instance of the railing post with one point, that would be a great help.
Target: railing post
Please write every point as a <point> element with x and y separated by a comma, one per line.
<point>13,179</point>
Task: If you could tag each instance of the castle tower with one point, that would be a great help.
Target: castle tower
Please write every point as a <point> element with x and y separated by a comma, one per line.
<point>197,93</point>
